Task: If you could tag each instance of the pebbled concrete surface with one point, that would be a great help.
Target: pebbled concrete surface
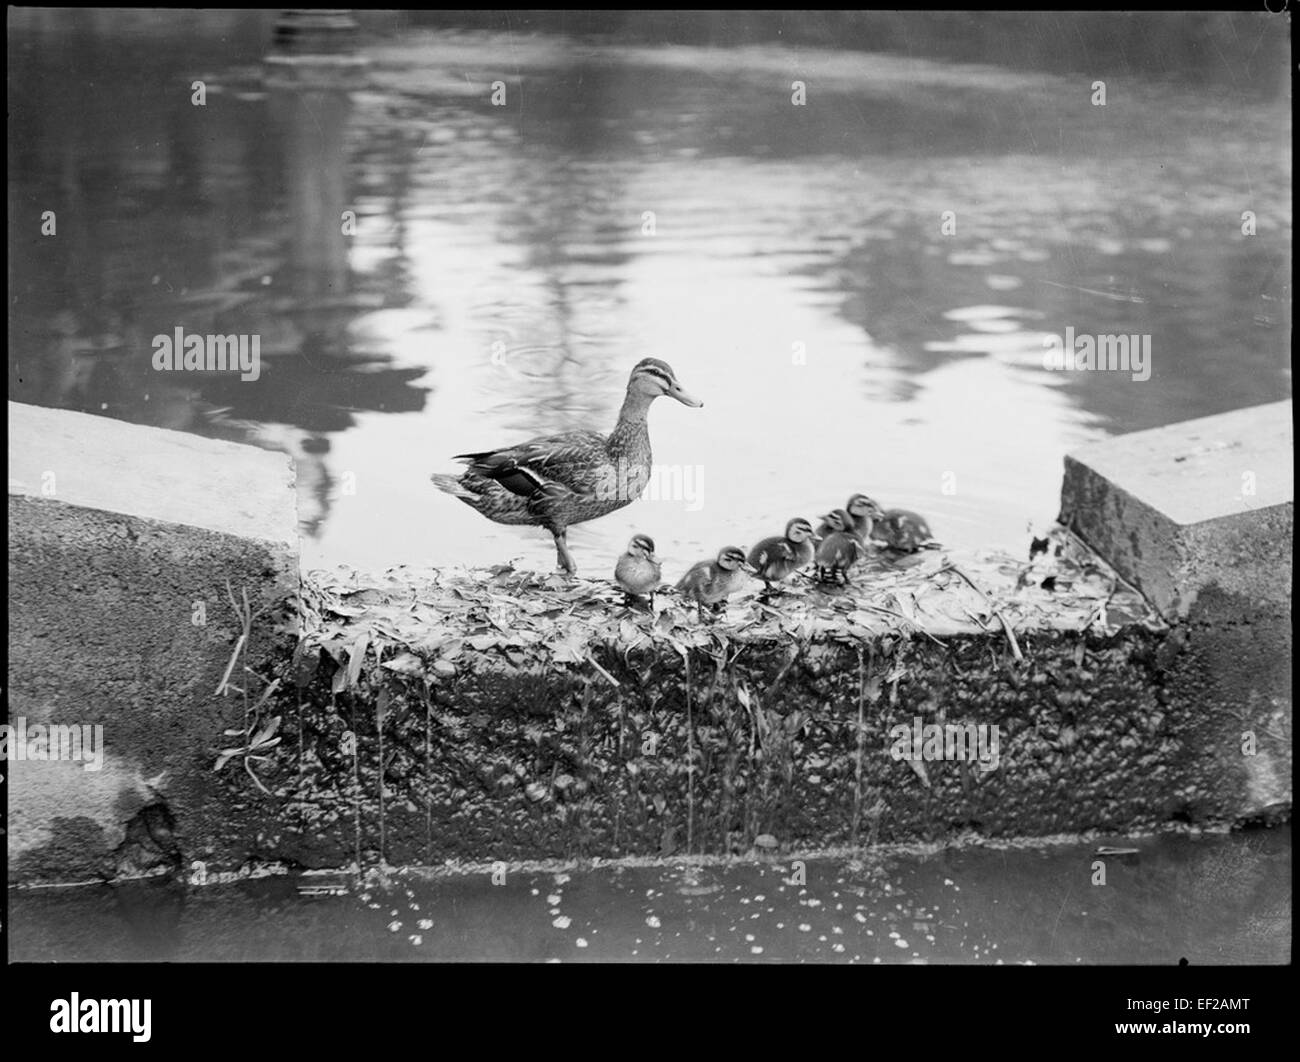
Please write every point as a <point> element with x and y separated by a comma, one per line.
<point>168,476</point>
<point>1205,503</point>
<point>1097,733</point>
<point>120,538</point>
<point>1199,517</point>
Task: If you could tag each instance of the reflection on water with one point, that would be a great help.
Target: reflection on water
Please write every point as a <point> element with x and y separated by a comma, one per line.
<point>501,279</point>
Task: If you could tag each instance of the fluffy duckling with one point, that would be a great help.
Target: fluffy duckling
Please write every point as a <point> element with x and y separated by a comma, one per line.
<point>711,582</point>
<point>903,530</point>
<point>775,559</point>
<point>864,511</point>
<point>638,571</point>
<point>840,549</point>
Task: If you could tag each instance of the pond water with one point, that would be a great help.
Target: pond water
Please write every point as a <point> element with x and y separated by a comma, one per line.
<point>503,277</point>
<point>1209,900</point>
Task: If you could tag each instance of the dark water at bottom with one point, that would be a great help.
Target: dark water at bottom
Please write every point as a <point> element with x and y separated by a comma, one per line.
<point>1208,899</point>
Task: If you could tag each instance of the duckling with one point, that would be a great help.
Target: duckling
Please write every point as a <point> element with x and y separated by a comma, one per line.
<point>711,582</point>
<point>775,559</point>
<point>903,530</point>
<point>840,549</point>
<point>638,571</point>
<point>864,512</point>
<point>558,480</point>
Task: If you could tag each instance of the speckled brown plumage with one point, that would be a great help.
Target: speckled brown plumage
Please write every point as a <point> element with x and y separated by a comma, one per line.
<point>559,480</point>
<point>840,549</point>
<point>638,570</point>
<point>903,530</point>
<point>775,559</point>
<point>709,583</point>
<point>863,511</point>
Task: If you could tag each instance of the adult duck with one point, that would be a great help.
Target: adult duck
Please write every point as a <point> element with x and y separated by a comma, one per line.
<point>556,481</point>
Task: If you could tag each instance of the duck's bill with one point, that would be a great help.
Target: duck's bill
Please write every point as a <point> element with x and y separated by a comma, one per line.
<point>684,396</point>
<point>749,568</point>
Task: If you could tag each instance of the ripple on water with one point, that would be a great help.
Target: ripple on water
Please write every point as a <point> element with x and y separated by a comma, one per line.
<point>988,313</point>
<point>1001,282</point>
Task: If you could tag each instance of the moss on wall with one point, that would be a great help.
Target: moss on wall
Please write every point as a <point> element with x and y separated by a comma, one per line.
<point>617,731</point>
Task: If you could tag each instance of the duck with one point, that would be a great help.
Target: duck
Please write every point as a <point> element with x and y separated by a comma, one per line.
<point>840,548</point>
<point>556,481</point>
<point>775,559</point>
<point>903,531</point>
<point>711,582</point>
<point>638,571</point>
<point>864,511</point>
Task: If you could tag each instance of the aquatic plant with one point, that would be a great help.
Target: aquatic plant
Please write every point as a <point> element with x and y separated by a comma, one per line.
<point>259,738</point>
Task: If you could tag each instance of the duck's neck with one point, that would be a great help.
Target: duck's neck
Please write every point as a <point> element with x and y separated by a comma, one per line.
<point>631,427</point>
<point>635,405</point>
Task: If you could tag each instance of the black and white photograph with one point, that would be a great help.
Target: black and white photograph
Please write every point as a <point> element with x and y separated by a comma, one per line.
<point>713,488</point>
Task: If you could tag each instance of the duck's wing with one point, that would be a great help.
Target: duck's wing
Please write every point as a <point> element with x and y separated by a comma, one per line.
<point>837,549</point>
<point>552,461</point>
<point>697,575</point>
<point>771,550</point>
<point>889,528</point>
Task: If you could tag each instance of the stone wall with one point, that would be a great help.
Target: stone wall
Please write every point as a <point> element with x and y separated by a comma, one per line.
<point>125,544</point>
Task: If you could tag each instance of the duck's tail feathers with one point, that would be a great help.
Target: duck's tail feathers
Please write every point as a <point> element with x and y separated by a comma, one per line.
<point>453,486</point>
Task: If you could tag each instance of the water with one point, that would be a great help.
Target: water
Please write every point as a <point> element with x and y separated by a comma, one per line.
<point>500,282</point>
<point>1208,900</point>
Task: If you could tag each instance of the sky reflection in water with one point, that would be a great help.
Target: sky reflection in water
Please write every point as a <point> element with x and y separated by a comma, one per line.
<point>500,284</point>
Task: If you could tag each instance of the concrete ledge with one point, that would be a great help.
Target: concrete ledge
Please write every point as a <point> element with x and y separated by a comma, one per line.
<point>1200,517</point>
<point>1178,509</point>
<point>478,715</point>
<point>168,476</point>
<point>122,543</point>
<point>425,717</point>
